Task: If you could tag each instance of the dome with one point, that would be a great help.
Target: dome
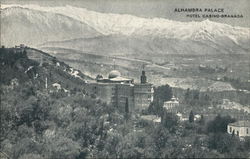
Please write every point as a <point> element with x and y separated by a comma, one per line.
<point>114,74</point>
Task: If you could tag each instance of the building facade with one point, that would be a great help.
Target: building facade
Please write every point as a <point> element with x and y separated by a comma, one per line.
<point>239,128</point>
<point>172,105</point>
<point>122,92</point>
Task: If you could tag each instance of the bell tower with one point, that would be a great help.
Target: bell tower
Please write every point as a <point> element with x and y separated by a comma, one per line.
<point>143,93</point>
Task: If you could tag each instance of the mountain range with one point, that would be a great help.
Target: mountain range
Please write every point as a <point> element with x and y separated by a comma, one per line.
<point>117,34</point>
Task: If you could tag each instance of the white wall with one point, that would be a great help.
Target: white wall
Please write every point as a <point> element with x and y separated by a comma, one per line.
<point>242,130</point>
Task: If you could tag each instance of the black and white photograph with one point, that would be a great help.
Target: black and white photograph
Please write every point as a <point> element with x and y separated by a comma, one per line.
<point>124,79</point>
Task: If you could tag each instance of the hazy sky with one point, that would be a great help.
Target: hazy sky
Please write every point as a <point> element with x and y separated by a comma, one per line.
<point>156,8</point>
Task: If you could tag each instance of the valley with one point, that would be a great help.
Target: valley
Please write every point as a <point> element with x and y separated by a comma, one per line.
<point>168,68</point>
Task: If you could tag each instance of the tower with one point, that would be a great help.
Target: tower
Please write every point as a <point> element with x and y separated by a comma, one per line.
<point>143,76</point>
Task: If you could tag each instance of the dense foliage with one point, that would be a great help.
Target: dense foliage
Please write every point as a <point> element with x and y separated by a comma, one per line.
<point>219,124</point>
<point>161,94</point>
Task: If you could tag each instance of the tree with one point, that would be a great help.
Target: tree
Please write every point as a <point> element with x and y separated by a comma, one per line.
<point>31,155</point>
<point>223,142</point>
<point>247,143</point>
<point>63,147</point>
<point>112,142</point>
<point>24,146</point>
<point>126,109</point>
<point>202,120</point>
<point>187,95</point>
<point>219,124</point>
<point>161,94</point>
<point>233,133</point>
<point>131,145</point>
<point>169,121</point>
<point>160,137</point>
<point>191,117</point>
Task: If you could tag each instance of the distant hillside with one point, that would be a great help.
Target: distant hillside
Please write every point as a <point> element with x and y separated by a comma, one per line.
<point>144,47</point>
<point>39,68</point>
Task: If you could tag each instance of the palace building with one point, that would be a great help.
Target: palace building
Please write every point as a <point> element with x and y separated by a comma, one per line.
<point>122,92</point>
<point>240,128</point>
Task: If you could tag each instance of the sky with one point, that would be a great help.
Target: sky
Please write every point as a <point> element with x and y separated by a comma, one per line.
<point>157,8</point>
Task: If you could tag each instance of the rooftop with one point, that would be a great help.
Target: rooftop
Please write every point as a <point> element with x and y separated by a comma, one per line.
<point>242,123</point>
<point>152,118</point>
<point>120,79</point>
<point>114,77</point>
<point>173,100</point>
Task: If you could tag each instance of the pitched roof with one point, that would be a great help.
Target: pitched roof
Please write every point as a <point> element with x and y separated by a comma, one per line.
<point>242,123</point>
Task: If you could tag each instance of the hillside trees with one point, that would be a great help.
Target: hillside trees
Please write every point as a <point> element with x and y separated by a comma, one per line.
<point>10,56</point>
<point>170,121</point>
<point>76,127</point>
<point>196,98</point>
<point>226,144</point>
<point>161,94</point>
<point>191,117</point>
<point>219,124</point>
<point>43,123</point>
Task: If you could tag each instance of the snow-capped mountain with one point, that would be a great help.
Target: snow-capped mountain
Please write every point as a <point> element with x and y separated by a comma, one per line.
<point>32,27</point>
<point>207,36</point>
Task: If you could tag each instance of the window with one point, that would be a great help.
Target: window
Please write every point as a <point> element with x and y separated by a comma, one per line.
<point>237,133</point>
<point>247,130</point>
<point>230,129</point>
